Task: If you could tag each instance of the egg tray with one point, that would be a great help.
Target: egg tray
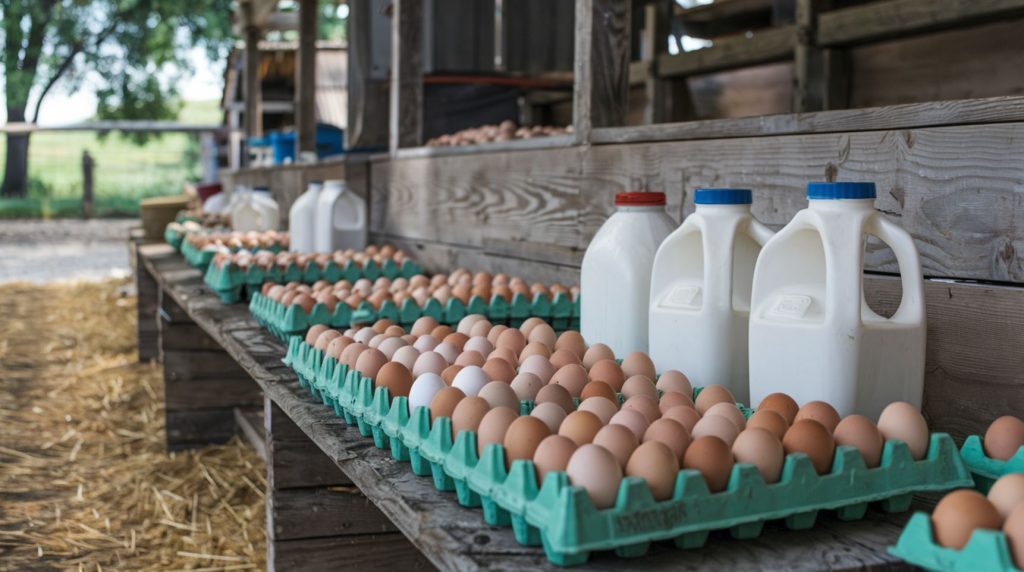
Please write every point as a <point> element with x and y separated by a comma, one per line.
<point>986,470</point>
<point>201,258</point>
<point>986,551</point>
<point>173,237</point>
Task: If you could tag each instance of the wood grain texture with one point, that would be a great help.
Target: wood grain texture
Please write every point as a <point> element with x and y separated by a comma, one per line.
<point>196,428</point>
<point>761,46</point>
<point>250,425</point>
<point>293,461</point>
<point>895,18</point>
<point>371,553</point>
<point>406,123</point>
<point>601,89</point>
<point>316,512</point>
<point>305,79</point>
<point>147,330</point>
<point>367,96</point>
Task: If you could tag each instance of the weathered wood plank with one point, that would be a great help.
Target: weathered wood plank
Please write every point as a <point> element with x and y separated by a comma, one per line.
<point>305,79</point>
<point>367,86</point>
<point>757,47</point>
<point>193,428</point>
<point>406,125</point>
<point>147,304</point>
<point>250,425</point>
<point>601,88</point>
<point>315,512</point>
<point>367,552</point>
<point>293,461</point>
<point>178,336</point>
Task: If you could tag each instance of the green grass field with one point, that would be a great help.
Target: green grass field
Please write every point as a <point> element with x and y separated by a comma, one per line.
<point>124,172</point>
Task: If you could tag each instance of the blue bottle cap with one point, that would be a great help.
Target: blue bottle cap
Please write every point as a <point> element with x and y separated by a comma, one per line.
<point>832,191</point>
<point>722,197</point>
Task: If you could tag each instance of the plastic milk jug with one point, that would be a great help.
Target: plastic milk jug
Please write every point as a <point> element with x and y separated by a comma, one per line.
<point>302,219</point>
<point>700,291</point>
<point>254,210</point>
<point>341,221</point>
<point>812,335</point>
<point>615,280</point>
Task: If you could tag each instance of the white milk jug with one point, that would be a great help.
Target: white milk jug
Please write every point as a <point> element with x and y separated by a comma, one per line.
<point>302,219</point>
<point>254,210</point>
<point>700,291</point>
<point>340,219</point>
<point>812,335</point>
<point>615,282</point>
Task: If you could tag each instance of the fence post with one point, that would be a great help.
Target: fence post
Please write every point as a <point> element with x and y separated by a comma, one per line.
<point>87,194</point>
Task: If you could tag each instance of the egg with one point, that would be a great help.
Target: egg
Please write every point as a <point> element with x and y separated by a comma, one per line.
<point>671,433</point>
<point>603,407</point>
<point>571,341</point>
<point>457,340</point>
<point>685,415</point>
<point>608,371</point>
<point>444,402</point>
<point>540,366</point>
<point>493,427</point>
<point>406,356</point>
<point>314,332</point>
<point>440,332</point>
<point>551,414</point>
<point>772,421</point>
<point>959,514</point>
<point>375,341</point>
<point>526,386</point>
<point>1004,437</point>
<point>556,394</point>
<point>505,354</point>
<point>572,377</point>
<point>619,440</point>
<point>716,426</point>
<point>396,378</point>
<point>381,325</point>
<point>1014,530</point>
<point>813,439</point>
<point>429,361</point>
<point>478,344</point>
<point>370,362</point>
<point>901,421</point>
<point>449,352</point>
<point>512,339</point>
<point>580,426</point>
<point>645,405</point>
<point>674,381</point>
<point>759,447</point>
<point>633,420</point>
<point>1007,493</point>
<point>500,394</point>
<point>552,454</point>
<point>562,358</point>
<point>639,385</point>
<point>730,412</point>
<point>364,335</point>
<point>656,464</point>
<point>471,379</point>
<point>711,395</point>
<point>337,345</point>
<point>781,404</point>
<point>449,373</point>
<point>492,336</point>
<point>534,349</point>
<point>596,353</point>
<point>523,437</point>
<point>423,326</point>
<point>595,470</point>
<point>468,414</point>
<point>350,355</point>
<point>467,322</point>
<point>544,334</point>
<point>529,324</point>
<point>821,412</point>
<point>712,457</point>
<point>598,389</point>
<point>480,329</point>
<point>324,339</point>
<point>424,389</point>
<point>859,432</point>
<point>499,370</point>
<point>425,343</point>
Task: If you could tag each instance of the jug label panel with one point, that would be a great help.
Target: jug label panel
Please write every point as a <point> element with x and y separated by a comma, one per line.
<point>793,306</point>
<point>682,297</point>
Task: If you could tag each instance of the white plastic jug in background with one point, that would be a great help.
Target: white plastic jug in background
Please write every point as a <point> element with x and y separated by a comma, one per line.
<point>253,210</point>
<point>302,219</point>
<point>700,291</point>
<point>615,281</point>
<point>812,335</point>
<point>340,219</point>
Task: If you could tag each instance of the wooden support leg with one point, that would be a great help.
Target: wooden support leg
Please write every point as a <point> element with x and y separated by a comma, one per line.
<point>202,383</point>
<point>316,518</point>
<point>148,293</point>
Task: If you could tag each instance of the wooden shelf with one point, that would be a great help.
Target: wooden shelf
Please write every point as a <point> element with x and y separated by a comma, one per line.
<point>761,47</point>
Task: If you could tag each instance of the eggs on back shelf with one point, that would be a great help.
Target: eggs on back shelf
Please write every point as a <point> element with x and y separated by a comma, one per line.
<point>963,511</point>
<point>595,418</point>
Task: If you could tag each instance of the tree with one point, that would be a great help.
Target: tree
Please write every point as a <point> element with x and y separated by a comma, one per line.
<point>50,43</point>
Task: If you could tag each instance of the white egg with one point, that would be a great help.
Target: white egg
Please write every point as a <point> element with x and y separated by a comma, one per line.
<point>448,351</point>
<point>540,366</point>
<point>424,389</point>
<point>470,379</point>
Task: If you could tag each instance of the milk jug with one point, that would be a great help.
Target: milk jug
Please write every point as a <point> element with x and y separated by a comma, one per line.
<point>812,335</point>
<point>340,219</point>
<point>253,210</point>
<point>700,291</point>
<point>615,280</point>
<point>302,219</point>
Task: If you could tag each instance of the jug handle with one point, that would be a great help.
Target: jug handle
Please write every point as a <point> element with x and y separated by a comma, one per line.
<point>759,232</point>
<point>909,262</point>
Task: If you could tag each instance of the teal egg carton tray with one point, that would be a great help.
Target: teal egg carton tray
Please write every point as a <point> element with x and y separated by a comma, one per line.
<point>173,238</point>
<point>201,259</point>
<point>986,551</point>
<point>562,518</point>
<point>986,470</point>
<point>561,312</point>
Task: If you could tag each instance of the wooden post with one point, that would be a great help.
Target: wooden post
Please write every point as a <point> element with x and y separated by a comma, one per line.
<point>367,86</point>
<point>668,99</point>
<point>601,89</point>
<point>305,80</point>
<point>253,96</point>
<point>821,75</point>
<point>406,125</point>
<point>87,185</point>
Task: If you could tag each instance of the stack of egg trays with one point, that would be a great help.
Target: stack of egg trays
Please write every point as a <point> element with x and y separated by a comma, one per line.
<point>985,469</point>
<point>986,550</point>
<point>562,518</point>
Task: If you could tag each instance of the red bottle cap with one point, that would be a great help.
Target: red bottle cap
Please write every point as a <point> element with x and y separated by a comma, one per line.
<point>640,199</point>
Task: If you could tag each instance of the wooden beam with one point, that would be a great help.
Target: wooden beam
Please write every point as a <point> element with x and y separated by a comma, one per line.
<point>250,424</point>
<point>898,18</point>
<point>668,99</point>
<point>252,93</point>
<point>406,126</point>
<point>761,47</point>
<point>822,74</point>
<point>305,80</point>
<point>368,102</point>
<point>601,88</point>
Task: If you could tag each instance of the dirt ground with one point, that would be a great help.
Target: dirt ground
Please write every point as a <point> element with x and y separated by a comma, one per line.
<point>47,250</point>
<point>85,482</point>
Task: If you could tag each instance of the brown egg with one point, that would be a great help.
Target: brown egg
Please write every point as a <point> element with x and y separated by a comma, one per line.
<point>632,420</point>
<point>781,404</point>
<point>534,349</point>
<point>544,334</point>
<point>552,393</point>
<point>580,426</point>
<point>770,420</point>
<point>571,377</point>
<point>468,413</point>
<point>1014,529</point>
<point>572,342</point>
<point>656,464</point>
<point>350,355</point>
<point>1004,437</point>
<point>380,326</point>
<point>449,373</point>
<point>671,433</point>
<point>760,448</point>
<point>440,332</point>
<point>505,354</point>
<point>512,339</point>
<point>603,407</point>
<point>598,389</point>
<point>639,385</point>
<point>338,345</point>
<point>530,323</point>
<point>314,332</point>
<point>394,331</point>
<point>470,358</point>
<point>672,399</point>
<point>674,380</point>
<point>456,339</point>
<point>423,326</point>
<point>595,469</point>
<point>495,333</point>
<point>638,363</point>
<point>711,395</point>
<point>859,432</point>
<point>305,301</point>
<point>1007,493</point>
<point>523,437</point>
<point>324,339</point>
<point>712,457</point>
<point>493,427</point>
<point>552,454</point>
<point>596,353</point>
<point>562,358</point>
<point>478,344</point>
<point>480,329</point>
<point>396,378</point>
<point>526,386</point>
<point>608,371</point>
<point>901,421</point>
<point>370,362</point>
<point>959,514</point>
<point>551,414</point>
<point>444,402</point>
<point>500,394</point>
<point>821,412</point>
<point>619,440</point>
<point>686,416</point>
<point>499,370</point>
<point>647,406</point>
<point>716,426</point>
<point>813,439</point>
<point>730,412</point>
